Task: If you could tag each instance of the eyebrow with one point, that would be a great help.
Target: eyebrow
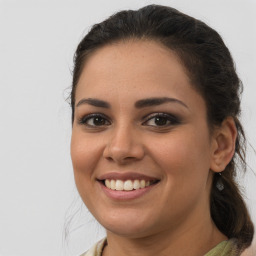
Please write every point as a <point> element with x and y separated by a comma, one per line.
<point>138,104</point>
<point>94,102</point>
<point>157,101</point>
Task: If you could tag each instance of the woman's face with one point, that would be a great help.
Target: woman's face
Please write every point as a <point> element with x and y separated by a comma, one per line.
<point>141,148</point>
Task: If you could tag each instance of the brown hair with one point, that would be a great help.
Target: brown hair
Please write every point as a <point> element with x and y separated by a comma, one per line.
<point>212,73</point>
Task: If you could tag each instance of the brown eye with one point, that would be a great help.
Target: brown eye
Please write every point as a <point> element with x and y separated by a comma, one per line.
<point>94,120</point>
<point>161,119</point>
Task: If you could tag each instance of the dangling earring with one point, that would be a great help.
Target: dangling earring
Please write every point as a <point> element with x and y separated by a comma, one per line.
<point>219,184</point>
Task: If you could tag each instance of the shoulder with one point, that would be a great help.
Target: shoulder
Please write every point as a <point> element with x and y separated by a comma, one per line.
<point>96,250</point>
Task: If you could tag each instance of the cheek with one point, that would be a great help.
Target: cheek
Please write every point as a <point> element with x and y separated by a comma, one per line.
<point>184,155</point>
<point>85,154</point>
<point>185,163</point>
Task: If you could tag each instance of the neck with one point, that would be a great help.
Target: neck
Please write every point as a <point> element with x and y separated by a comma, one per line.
<point>186,240</point>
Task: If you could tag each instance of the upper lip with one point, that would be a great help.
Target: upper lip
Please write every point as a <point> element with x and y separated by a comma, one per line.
<point>126,176</point>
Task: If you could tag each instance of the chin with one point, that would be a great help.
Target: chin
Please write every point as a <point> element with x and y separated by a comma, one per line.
<point>127,225</point>
<point>128,231</point>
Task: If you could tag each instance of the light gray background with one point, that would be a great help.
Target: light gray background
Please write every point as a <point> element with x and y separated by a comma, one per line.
<point>37,42</point>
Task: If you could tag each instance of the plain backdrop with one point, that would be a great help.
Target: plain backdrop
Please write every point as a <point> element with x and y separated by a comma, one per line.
<point>37,40</point>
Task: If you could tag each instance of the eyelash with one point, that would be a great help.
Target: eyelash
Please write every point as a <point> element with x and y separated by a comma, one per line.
<point>171,119</point>
<point>85,119</point>
<point>168,119</point>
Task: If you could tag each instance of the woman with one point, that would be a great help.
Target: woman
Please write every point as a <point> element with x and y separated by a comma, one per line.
<point>156,138</point>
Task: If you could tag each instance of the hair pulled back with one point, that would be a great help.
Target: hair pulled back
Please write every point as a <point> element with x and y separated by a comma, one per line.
<point>212,73</point>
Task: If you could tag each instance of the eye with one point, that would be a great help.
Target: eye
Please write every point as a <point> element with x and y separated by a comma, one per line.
<point>161,120</point>
<point>94,120</point>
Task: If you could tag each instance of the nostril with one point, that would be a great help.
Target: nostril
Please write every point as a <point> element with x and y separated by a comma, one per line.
<point>110,158</point>
<point>122,150</point>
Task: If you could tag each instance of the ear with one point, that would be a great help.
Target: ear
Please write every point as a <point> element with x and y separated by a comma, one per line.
<point>223,145</point>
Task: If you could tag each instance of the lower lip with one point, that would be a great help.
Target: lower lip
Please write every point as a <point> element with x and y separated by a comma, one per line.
<point>126,195</point>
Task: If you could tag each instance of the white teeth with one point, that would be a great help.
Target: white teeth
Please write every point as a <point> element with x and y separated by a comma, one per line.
<point>136,184</point>
<point>113,184</point>
<point>142,183</point>
<point>119,185</point>
<point>126,185</point>
<point>107,183</point>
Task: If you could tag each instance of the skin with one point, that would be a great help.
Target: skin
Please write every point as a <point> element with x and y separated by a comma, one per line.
<point>181,154</point>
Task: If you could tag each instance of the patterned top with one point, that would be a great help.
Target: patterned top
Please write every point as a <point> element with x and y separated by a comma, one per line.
<point>225,248</point>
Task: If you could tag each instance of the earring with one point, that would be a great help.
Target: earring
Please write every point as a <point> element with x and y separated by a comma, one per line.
<point>219,184</point>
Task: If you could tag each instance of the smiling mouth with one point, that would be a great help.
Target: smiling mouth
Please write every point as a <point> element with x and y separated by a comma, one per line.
<point>127,185</point>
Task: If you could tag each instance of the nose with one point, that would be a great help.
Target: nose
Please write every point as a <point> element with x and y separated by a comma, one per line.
<point>124,146</point>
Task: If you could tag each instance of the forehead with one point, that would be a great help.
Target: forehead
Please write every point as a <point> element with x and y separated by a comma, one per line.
<point>135,69</point>
<point>131,58</point>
